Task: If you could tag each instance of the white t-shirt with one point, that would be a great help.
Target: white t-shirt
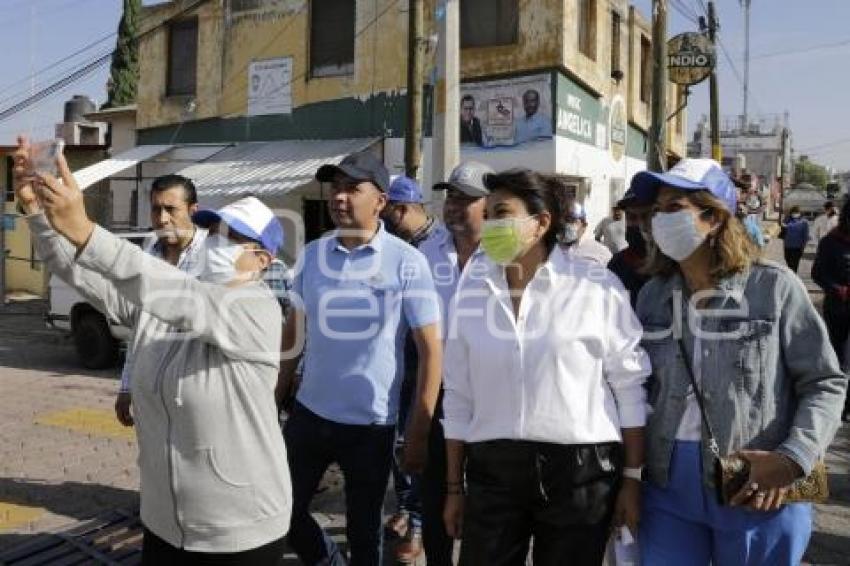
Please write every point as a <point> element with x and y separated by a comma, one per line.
<point>613,234</point>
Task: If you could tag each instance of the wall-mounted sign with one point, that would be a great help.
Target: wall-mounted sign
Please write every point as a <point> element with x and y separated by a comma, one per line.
<point>690,58</point>
<point>618,128</point>
<point>506,112</point>
<point>270,87</point>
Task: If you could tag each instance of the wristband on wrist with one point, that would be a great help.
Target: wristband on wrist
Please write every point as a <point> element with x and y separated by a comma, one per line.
<point>633,473</point>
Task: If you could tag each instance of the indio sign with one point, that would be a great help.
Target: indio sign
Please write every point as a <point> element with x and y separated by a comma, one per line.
<point>690,58</point>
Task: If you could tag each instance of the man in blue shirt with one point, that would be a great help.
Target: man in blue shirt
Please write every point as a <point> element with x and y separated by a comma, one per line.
<point>405,216</point>
<point>795,232</point>
<point>356,292</point>
<point>533,125</point>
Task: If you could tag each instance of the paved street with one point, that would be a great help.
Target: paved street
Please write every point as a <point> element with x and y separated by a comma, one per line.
<point>64,459</point>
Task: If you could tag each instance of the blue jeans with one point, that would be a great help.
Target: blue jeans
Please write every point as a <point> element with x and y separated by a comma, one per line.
<point>363,454</point>
<point>684,524</point>
<point>406,485</point>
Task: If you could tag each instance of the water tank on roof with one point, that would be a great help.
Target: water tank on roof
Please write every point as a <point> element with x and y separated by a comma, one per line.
<point>78,107</point>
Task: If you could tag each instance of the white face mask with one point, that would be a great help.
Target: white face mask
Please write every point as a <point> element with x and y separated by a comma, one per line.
<point>676,233</point>
<point>570,233</point>
<point>219,256</point>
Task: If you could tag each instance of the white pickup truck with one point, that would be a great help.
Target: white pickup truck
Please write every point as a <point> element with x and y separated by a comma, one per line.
<point>98,341</point>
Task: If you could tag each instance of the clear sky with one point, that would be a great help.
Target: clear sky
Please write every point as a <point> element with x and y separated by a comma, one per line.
<point>812,85</point>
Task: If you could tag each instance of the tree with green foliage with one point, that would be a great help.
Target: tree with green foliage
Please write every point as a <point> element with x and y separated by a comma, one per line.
<point>806,171</point>
<point>124,72</point>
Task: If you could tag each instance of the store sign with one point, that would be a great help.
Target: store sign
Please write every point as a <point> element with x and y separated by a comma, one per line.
<point>580,115</point>
<point>690,58</point>
<point>618,128</point>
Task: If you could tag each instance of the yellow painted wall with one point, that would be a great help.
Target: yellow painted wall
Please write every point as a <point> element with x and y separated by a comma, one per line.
<point>22,274</point>
<point>548,37</point>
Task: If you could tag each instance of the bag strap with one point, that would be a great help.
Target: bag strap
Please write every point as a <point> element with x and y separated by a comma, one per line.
<point>712,440</point>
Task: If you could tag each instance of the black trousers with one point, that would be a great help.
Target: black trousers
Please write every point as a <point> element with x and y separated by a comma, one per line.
<point>438,544</point>
<point>792,258</point>
<point>157,552</point>
<point>561,497</point>
<point>836,314</point>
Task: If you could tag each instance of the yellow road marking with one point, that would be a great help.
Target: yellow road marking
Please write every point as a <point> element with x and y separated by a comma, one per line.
<point>97,422</point>
<point>12,515</point>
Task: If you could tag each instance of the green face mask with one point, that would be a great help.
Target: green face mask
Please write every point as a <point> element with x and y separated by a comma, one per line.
<point>502,240</point>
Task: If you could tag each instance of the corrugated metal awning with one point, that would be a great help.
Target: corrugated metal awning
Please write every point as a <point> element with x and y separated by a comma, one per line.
<point>268,168</point>
<point>88,176</point>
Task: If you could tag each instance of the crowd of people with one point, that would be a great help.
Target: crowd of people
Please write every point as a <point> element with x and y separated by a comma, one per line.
<point>532,392</point>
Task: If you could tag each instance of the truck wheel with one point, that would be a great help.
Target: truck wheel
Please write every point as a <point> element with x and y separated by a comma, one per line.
<point>96,348</point>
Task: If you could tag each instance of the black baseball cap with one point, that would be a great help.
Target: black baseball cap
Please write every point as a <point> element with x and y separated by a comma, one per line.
<point>360,166</point>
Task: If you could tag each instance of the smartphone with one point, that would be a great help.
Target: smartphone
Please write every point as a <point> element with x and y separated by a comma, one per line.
<point>43,156</point>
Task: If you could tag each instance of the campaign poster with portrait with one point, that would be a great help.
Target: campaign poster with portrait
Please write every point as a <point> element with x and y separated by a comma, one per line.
<point>506,112</point>
<point>270,87</point>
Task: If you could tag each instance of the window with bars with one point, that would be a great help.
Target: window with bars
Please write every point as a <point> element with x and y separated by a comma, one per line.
<point>485,23</point>
<point>332,37</point>
<point>182,57</point>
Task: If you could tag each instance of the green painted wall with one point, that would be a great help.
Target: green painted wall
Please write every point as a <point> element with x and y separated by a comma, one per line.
<point>578,112</point>
<point>636,143</point>
<point>381,115</point>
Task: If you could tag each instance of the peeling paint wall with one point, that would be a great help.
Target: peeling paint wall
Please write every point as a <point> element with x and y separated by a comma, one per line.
<point>154,107</point>
<point>538,45</point>
<point>229,40</point>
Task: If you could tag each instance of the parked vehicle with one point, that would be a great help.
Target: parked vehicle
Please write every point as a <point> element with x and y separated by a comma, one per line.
<point>97,341</point>
<point>808,197</point>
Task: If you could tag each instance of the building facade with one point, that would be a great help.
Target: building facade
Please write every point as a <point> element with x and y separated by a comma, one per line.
<point>556,85</point>
<point>759,154</point>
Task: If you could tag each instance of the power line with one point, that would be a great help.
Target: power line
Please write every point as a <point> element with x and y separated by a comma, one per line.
<point>86,69</point>
<point>803,50</point>
<point>684,11</point>
<point>734,68</point>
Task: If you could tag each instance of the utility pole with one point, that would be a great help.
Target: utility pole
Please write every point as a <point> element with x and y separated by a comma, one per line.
<point>745,117</point>
<point>415,66</point>
<point>445,146</point>
<point>714,102</point>
<point>657,146</point>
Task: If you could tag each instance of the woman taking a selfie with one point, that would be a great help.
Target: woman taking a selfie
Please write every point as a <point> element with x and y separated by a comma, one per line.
<point>544,402</point>
<point>743,374</point>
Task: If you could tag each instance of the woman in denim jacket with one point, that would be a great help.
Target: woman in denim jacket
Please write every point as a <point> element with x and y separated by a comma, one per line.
<point>762,359</point>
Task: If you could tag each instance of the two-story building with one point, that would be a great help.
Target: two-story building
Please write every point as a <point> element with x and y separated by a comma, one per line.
<point>260,93</point>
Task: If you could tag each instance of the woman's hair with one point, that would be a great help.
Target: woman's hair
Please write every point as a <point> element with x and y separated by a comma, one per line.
<point>794,210</point>
<point>732,249</point>
<point>539,192</point>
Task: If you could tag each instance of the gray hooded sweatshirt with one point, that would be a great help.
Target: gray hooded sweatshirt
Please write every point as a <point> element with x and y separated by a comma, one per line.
<point>214,474</point>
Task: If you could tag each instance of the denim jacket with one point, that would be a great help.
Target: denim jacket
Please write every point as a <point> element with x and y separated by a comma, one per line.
<point>770,378</point>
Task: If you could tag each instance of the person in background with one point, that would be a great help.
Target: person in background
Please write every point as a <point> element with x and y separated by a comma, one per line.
<point>628,264</point>
<point>746,333</point>
<point>611,231</point>
<point>826,222</point>
<point>795,233</point>
<point>174,200</point>
<point>831,272</point>
<point>215,488</point>
<point>572,236</point>
<point>544,400</point>
<point>451,258</point>
<point>405,216</point>
<point>359,291</point>
<point>751,224</point>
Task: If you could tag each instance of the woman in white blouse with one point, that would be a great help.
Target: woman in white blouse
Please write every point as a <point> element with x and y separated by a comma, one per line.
<point>544,404</point>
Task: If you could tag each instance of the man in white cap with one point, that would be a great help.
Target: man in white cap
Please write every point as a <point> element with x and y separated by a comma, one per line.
<point>215,485</point>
